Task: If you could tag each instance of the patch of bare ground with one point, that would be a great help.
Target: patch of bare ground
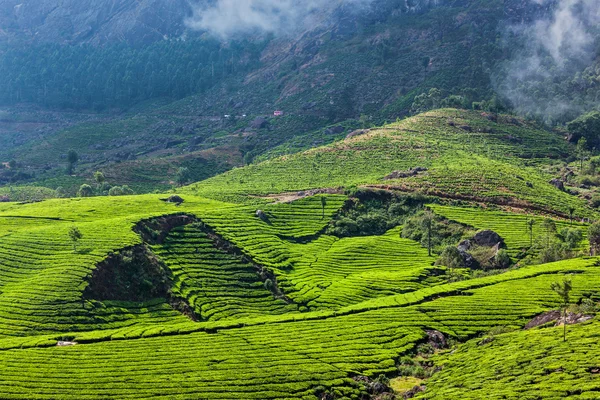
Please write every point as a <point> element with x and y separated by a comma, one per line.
<point>556,317</point>
<point>293,196</point>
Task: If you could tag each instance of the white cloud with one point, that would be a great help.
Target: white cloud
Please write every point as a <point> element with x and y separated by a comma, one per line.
<point>226,18</point>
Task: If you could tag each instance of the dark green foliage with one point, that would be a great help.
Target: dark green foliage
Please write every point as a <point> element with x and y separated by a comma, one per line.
<point>502,259</point>
<point>75,235</point>
<point>594,238</point>
<point>443,232</point>
<point>134,274</point>
<point>72,158</point>
<point>586,127</point>
<point>373,213</point>
<point>118,75</point>
<point>555,246</point>
<point>85,191</point>
<point>183,176</point>
<point>120,191</point>
<point>451,258</point>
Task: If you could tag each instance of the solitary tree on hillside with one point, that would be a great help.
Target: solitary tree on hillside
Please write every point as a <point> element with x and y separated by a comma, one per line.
<point>550,226</point>
<point>594,238</point>
<point>99,178</point>
<point>582,151</point>
<point>72,158</point>
<point>75,235</point>
<point>427,224</point>
<point>563,290</point>
<point>571,212</point>
<point>183,176</point>
<point>530,224</point>
<point>323,205</point>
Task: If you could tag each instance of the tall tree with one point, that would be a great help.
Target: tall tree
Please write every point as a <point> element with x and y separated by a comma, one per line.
<point>428,225</point>
<point>594,238</point>
<point>72,158</point>
<point>563,290</point>
<point>582,151</point>
<point>530,224</point>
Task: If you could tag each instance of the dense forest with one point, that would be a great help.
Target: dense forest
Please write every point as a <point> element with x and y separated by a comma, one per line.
<point>118,75</point>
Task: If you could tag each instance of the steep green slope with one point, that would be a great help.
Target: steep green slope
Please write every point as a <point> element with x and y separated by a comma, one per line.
<point>522,365</point>
<point>252,298</point>
<point>370,63</point>
<point>468,156</point>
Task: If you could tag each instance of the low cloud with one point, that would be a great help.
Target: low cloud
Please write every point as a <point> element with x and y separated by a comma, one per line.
<point>556,47</point>
<point>228,18</point>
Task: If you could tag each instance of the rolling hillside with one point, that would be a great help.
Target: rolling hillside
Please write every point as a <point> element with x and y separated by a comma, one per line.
<point>238,288</point>
<point>463,155</point>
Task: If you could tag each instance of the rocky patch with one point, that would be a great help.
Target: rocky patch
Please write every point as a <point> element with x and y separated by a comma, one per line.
<point>405,174</point>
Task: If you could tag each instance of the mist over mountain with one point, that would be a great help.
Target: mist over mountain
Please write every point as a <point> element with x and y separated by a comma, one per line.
<point>182,66</point>
<point>560,44</point>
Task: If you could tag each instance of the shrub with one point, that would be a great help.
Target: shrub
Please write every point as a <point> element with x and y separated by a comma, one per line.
<point>120,191</point>
<point>85,191</point>
<point>269,285</point>
<point>451,258</point>
<point>115,191</point>
<point>502,259</point>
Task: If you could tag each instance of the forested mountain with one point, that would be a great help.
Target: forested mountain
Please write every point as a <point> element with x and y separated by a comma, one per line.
<point>188,77</point>
<point>92,21</point>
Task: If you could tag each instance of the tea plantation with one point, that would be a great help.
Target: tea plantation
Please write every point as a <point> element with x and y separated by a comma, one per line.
<point>226,293</point>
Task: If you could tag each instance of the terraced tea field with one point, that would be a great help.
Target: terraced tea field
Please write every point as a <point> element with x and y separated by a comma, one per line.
<point>467,156</point>
<point>520,365</point>
<point>512,227</point>
<point>228,295</point>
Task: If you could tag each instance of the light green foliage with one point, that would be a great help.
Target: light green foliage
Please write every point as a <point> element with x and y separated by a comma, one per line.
<point>513,228</point>
<point>563,290</point>
<point>99,178</point>
<point>521,365</point>
<point>477,164</point>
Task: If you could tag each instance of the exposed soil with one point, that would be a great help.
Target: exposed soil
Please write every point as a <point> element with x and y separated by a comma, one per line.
<point>155,230</point>
<point>293,196</point>
<point>556,317</point>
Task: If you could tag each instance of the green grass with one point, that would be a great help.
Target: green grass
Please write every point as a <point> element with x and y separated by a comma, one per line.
<point>352,306</point>
<point>522,365</point>
<point>495,161</point>
<point>512,227</point>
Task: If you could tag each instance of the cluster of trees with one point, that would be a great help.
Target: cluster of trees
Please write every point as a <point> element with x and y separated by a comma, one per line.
<point>118,75</point>
<point>467,99</point>
<point>585,130</point>
<point>103,188</point>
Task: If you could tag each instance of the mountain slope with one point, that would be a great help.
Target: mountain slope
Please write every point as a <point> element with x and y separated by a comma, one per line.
<point>464,155</point>
<point>97,21</point>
